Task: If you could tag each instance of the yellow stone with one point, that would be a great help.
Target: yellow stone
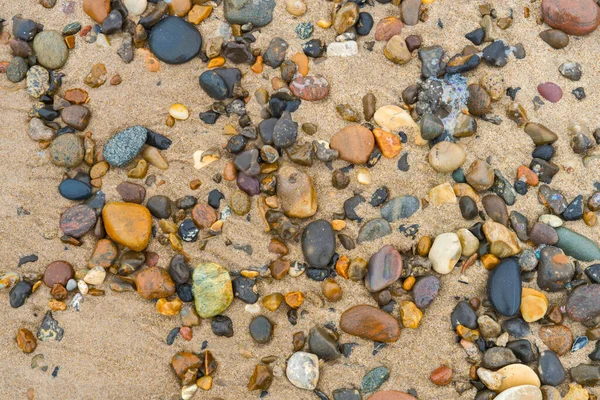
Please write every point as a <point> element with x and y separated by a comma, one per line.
<point>517,375</point>
<point>395,119</point>
<point>153,156</point>
<point>427,1</point>
<point>128,224</point>
<point>199,13</point>
<point>56,305</point>
<point>534,304</point>
<point>323,23</point>
<point>363,176</point>
<point>139,171</point>
<point>468,334</point>
<point>166,307</point>
<point>464,189</point>
<point>442,194</point>
<point>410,314</point>
<point>205,383</point>
<point>216,62</point>
<point>257,67</point>
<point>409,283</point>
<point>503,242</point>
<point>179,112</point>
<point>272,301</point>
<point>338,224</point>
<point>576,392</point>
<point>99,170</point>
<point>301,61</point>
<point>167,226</point>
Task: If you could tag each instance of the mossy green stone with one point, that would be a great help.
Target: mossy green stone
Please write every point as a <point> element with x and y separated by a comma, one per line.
<point>213,292</point>
<point>577,245</point>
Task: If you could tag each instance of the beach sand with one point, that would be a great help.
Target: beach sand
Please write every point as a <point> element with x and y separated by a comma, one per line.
<point>114,348</point>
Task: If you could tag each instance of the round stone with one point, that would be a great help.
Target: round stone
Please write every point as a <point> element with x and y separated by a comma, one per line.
<point>318,243</point>
<point>128,224</point>
<point>385,267</point>
<point>135,7</point>
<point>261,329</point>
<point>50,49</point>
<point>574,17</point>
<point>67,150</point>
<point>213,291</point>
<point>303,370</point>
<point>550,91</point>
<point>58,272</point>
<point>445,252</point>
<point>77,220</point>
<point>174,40</point>
<point>446,156</point>
<point>310,88</point>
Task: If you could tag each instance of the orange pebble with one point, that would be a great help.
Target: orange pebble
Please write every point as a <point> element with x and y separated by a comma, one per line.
<point>258,65</point>
<point>301,61</point>
<point>530,177</point>
<point>216,62</point>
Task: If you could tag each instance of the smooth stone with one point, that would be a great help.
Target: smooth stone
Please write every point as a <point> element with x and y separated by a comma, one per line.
<point>503,242</point>
<point>213,291</point>
<point>550,369</point>
<point>445,252</point>
<point>498,357</point>
<point>219,83</point>
<point>516,327</point>
<point>345,17</point>
<point>388,27</point>
<point>468,208</point>
<point>515,375</point>
<point>256,12</point>
<point>285,131</point>
<point>74,189</point>
<point>523,350</point>
<point>468,242</point>
<point>555,271</point>
<point>425,290</point>
<point>374,379</point>
<point>302,370</point>
<point>489,328</point>
<point>431,126</point>
<point>442,194</point>
<point>543,234</point>
<point>534,305</point>
<point>587,375</point>
<point>373,230</point>
<point>67,150</point>
<point>479,101</point>
<point>355,143</point>
<point>50,49</point>
<point>77,220</point>
<point>323,344</point>
<point>346,394</point>
<point>97,9</point>
<point>574,17</point>
<point>431,61</point>
<point>261,329</point>
<point>131,192</point>
<point>58,272</point>
<point>221,325</point>
<point>38,131</point>
<point>550,91</point>
<point>540,134</point>
<point>17,70</point>
<point>384,268</point>
<point>504,287</point>
<point>396,51</point>
<point>571,70</point>
<point>523,392</point>
<point>557,39</point>
<point>446,156</point>
<point>122,148</point>
<point>275,52</point>
<point>19,293</point>
<point>391,395</point>
<point>558,338</point>
<point>576,245</point>
<point>582,304</point>
<point>135,7</point>
<point>38,81</point>
<point>400,208</point>
<point>495,208</point>
<point>395,119</point>
<point>463,314</point>
<point>128,224</point>
<point>364,24</point>
<point>409,10</point>
<point>318,243</point>
<point>370,323</point>
<point>310,88</point>
<point>76,116</point>
<point>238,53</point>
<point>174,40</point>
<point>25,29</point>
<point>480,176</point>
<point>593,273</point>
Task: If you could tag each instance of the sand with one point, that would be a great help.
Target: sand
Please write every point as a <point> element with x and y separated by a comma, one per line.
<point>114,348</point>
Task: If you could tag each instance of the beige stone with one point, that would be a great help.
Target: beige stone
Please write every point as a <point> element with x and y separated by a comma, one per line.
<point>442,194</point>
<point>503,242</point>
<point>468,242</point>
<point>514,375</point>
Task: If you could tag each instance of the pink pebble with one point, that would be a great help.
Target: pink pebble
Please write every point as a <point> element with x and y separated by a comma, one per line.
<point>550,91</point>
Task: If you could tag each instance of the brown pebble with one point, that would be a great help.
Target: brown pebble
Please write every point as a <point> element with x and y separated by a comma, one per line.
<point>58,272</point>
<point>116,80</point>
<point>423,246</point>
<point>331,290</point>
<point>441,376</point>
<point>298,341</point>
<point>26,341</point>
<point>279,268</point>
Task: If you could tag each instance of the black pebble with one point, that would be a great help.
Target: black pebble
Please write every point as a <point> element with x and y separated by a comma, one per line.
<point>185,292</point>
<point>187,202</point>
<point>380,196</point>
<point>593,273</point>
<point>19,293</point>
<point>521,187</point>
<point>27,259</point>
<point>522,349</point>
<point>209,117</point>
<point>261,329</point>
<point>236,144</point>
<point>222,325</point>
<point>172,336</point>
<point>468,208</point>
<point>516,327</point>
<point>73,189</point>
<point>403,162</point>
<point>574,210</point>
<point>476,36</point>
<point>512,92</point>
<point>346,349</point>
<point>463,314</point>
<point>243,289</point>
<point>364,24</point>
<point>550,369</point>
<point>579,93</point>
<point>292,316</point>
<point>317,274</point>
<point>179,269</point>
<point>157,140</point>
<point>350,205</point>
<point>313,48</point>
<point>544,152</point>
<point>214,198</point>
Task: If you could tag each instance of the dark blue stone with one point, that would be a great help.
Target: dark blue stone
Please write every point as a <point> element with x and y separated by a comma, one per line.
<point>516,327</point>
<point>19,293</point>
<point>463,314</point>
<point>214,85</point>
<point>74,189</point>
<point>476,36</point>
<point>364,24</point>
<point>544,152</point>
<point>157,140</point>
<point>593,273</point>
<point>504,287</point>
<point>185,292</point>
<point>209,117</point>
<point>174,40</point>
<point>188,231</point>
<point>574,210</point>
<point>550,369</point>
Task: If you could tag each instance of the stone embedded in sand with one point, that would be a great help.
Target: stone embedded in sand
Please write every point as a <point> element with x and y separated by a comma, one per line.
<point>354,143</point>
<point>297,193</point>
<point>446,156</point>
<point>503,242</point>
<point>77,220</point>
<point>128,224</point>
<point>385,268</point>
<point>154,283</point>
<point>213,291</point>
<point>303,370</point>
<point>529,392</point>
<point>50,49</point>
<point>442,194</point>
<point>504,287</point>
<point>517,375</point>
<point>574,17</point>
<point>396,51</point>
<point>310,88</point>
<point>58,272</point>
<point>97,10</point>
<point>370,323</point>
<point>540,134</point>
<point>204,215</point>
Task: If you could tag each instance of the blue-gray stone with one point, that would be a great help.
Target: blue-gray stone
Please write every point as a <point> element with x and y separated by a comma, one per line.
<point>373,230</point>
<point>374,379</point>
<point>400,208</point>
<point>256,12</point>
<point>577,245</point>
<point>550,369</point>
<point>579,343</point>
<point>504,287</point>
<point>74,189</point>
<point>124,146</point>
<point>174,40</point>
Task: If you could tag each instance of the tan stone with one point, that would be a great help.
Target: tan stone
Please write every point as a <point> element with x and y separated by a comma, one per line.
<point>442,194</point>
<point>296,192</point>
<point>517,375</point>
<point>534,304</point>
<point>355,143</point>
<point>503,242</point>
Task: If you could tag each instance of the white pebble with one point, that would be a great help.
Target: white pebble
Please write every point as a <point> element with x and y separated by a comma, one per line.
<point>342,49</point>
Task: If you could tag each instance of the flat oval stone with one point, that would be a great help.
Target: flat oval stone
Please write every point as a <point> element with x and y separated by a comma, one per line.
<point>373,230</point>
<point>540,134</point>
<point>74,189</point>
<point>318,243</point>
<point>574,17</point>
<point>174,40</point>
<point>50,49</point>
<point>213,291</point>
<point>303,370</point>
<point>128,224</point>
<point>310,88</point>
<point>154,283</point>
<point>255,12</point>
<point>261,329</point>
<point>355,143</point>
<point>543,234</point>
<point>400,208</point>
<point>463,314</point>
<point>131,192</point>
<point>583,304</point>
<point>550,369</point>
<point>504,287</point>
<point>446,156</point>
<point>370,323</point>
<point>385,268</point>
<point>296,191</point>
<point>77,220</point>
<point>445,252</point>
<point>122,148</point>
<point>425,290</point>
<point>550,91</point>
<point>58,272</point>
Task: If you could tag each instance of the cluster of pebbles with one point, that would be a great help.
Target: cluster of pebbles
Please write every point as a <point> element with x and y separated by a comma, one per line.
<point>513,338</point>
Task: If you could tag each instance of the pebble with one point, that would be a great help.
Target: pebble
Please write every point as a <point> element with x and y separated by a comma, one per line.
<point>285,131</point>
<point>504,287</point>
<point>122,148</point>
<point>571,70</point>
<point>446,156</point>
<point>479,100</point>
<point>543,234</point>
<point>390,395</point>
<point>468,208</point>
<point>516,375</point>
<point>154,283</point>
<point>364,24</point>
<point>295,7</point>
<point>97,76</point>
<point>395,119</point>
<point>557,39</point>
<point>387,28</point>
<point>572,17</point>
<point>97,10</point>
<point>256,12</point>
<point>38,81</point>
<point>322,343</point>
<point>49,329</point>
<point>310,88</point>
<point>25,29</point>
<point>445,252</point>
<point>19,293</point>
<point>17,70</point>
<point>534,305</point>
<point>222,325</point>
<point>76,116</point>
<point>373,230</point>
<point>26,341</point>
<point>550,369</point>
<point>128,224</point>
<point>345,17</point>
<point>174,40</point>
<point>521,392</point>
<point>374,379</point>
<point>261,329</point>
<point>576,245</point>
<point>370,323</point>
<point>213,291</point>
<point>219,83</point>
<point>558,338</point>
<point>396,50</point>
<point>503,242</point>
<point>261,378</point>
<point>468,242</point>
<point>135,7</point>
<point>463,314</point>
<point>354,143</point>
<point>441,376</point>
<point>318,243</point>
<point>401,207</point>
<point>384,268</point>
<point>303,370</point>
<point>77,220</point>
<point>550,91</point>
<point>131,192</point>
<point>582,304</point>
<point>275,52</point>
<point>409,9</point>
<point>346,394</point>
<point>38,131</point>
<point>425,290</point>
<point>497,357</point>
<point>74,189</point>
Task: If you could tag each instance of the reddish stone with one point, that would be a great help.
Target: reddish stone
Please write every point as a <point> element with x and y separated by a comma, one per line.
<point>186,333</point>
<point>310,88</point>
<point>78,220</point>
<point>371,323</point>
<point>355,143</point>
<point>388,27</point>
<point>154,283</point>
<point>574,17</point>
<point>151,258</point>
<point>558,338</point>
<point>58,272</point>
<point>583,304</point>
<point>204,215</point>
<point>441,376</point>
<point>550,91</point>
<point>131,192</point>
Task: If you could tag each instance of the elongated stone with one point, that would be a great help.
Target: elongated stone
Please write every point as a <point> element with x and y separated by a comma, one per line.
<point>318,243</point>
<point>385,267</point>
<point>213,291</point>
<point>370,323</point>
<point>577,245</point>
<point>504,287</point>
